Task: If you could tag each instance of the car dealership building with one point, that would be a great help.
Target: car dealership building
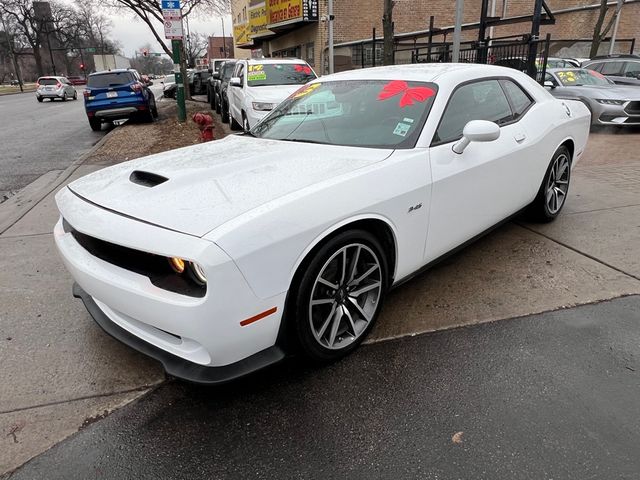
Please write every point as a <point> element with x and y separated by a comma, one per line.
<point>299,28</point>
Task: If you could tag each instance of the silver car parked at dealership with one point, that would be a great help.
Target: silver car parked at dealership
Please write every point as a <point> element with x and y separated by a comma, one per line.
<point>55,87</point>
<point>610,104</point>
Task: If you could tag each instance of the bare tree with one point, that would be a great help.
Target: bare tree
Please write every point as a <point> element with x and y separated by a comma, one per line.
<point>387,29</point>
<point>150,12</point>
<point>196,45</point>
<point>599,33</point>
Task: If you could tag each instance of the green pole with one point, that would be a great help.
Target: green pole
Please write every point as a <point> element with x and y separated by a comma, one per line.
<point>182,108</point>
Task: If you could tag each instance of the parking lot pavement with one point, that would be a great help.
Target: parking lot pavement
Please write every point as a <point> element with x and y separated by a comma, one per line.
<point>551,396</point>
<point>60,369</point>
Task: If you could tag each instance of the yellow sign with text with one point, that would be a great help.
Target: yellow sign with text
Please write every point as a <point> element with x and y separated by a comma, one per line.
<point>284,11</point>
<point>241,34</point>
<point>258,20</point>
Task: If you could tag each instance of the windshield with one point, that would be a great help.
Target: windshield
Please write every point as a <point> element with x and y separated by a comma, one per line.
<point>227,70</point>
<point>359,113</point>
<point>576,78</point>
<point>111,79</point>
<point>47,81</point>
<point>278,74</point>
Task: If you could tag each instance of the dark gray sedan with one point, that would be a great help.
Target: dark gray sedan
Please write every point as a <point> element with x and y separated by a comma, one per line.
<point>610,104</point>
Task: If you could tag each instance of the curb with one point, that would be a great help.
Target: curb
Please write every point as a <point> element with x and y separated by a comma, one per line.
<point>16,207</point>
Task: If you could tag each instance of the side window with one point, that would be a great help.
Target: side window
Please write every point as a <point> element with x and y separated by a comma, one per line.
<point>611,68</point>
<point>240,72</point>
<point>597,67</point>
<point>483,100</point>
<point>549,78</point>
<point>520,100</point>
<point>632,69</point>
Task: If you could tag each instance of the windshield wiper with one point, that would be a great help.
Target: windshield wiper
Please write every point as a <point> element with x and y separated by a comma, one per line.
<point>301,140</point>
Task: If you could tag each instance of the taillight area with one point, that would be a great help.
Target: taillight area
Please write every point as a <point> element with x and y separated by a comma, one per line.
<point>58,85</point>
<point>137,87</point>
<point>86,93</point>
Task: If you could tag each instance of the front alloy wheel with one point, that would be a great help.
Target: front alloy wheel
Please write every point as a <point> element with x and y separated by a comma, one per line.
<point>341,295</point>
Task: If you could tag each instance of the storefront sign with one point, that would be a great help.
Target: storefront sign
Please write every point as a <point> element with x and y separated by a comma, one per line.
<point>241,34</point>
<point>285,12</point>
<point>258,20</point>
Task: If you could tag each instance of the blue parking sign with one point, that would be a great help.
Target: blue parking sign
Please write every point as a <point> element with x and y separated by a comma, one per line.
<point>170,4</point>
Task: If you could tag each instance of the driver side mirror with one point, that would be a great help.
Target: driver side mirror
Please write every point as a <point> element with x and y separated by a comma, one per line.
<point>235,82</point>
<point>549,84</point>
<point>477,131</point>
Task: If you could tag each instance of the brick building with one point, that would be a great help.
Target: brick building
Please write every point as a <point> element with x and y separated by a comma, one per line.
<point>297,28</point>
<point>220,47</point>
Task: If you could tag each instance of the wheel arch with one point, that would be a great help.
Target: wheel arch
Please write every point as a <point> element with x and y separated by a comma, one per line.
<point>571,146</point>
<point>381,227</point>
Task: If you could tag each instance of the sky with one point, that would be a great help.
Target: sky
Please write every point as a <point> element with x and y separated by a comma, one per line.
<point>132,33</point>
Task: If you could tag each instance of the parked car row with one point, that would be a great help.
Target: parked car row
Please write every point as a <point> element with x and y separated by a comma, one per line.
<point>245,91</point>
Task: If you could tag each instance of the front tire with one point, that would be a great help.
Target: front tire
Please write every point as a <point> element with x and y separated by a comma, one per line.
<point>40,99</point>
<point>235,126</point>
<point>339,295</point>
<point>554,189</point>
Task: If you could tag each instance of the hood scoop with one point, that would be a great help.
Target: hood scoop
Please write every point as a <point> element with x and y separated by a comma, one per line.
<point>146,179</point>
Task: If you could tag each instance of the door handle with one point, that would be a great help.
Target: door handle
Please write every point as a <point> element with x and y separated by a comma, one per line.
<point>519,137</point>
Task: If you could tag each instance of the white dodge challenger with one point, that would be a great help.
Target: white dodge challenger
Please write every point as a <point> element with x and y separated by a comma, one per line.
<point>220,258</point>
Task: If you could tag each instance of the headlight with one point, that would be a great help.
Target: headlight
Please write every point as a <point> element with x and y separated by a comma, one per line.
<point>198,273</point>
<point>177,264</point>
<point>263,106</point>
<point>609,102</point>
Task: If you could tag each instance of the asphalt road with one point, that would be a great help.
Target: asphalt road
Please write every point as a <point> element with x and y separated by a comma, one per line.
<point>39,137</point>
<point>550,396</point>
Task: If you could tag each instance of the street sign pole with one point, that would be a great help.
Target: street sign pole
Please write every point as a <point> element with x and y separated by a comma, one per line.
<point>172,16</point>
<point>176,45</point>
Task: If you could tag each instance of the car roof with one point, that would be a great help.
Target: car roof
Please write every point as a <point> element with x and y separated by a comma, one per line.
<point>267,61</point>
<point>51,76</point>
<point>426,72</point>
<point>113,70</point>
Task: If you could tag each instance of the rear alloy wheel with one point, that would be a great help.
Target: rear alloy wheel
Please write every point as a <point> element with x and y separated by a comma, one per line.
<point>554,189</point>
<point>340,295</point>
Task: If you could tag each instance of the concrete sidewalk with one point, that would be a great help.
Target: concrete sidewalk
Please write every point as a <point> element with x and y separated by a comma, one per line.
<point>60,371</point>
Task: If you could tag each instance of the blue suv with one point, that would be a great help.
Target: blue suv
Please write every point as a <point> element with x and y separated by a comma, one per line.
<point>118,95</point>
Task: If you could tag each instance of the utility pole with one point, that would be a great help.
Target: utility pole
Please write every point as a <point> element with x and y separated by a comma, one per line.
<point>12,53</point>
<point>457,31</point>
<point>176,45</point>
<point>330,40</point>
<point>224,39</point>
<point>615,27</point>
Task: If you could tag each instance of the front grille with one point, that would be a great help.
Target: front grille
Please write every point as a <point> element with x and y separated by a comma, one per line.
<point>155,267</point>
<point>633,108</point>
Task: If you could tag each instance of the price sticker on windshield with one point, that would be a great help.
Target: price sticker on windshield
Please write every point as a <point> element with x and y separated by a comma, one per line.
<point>259,75</point>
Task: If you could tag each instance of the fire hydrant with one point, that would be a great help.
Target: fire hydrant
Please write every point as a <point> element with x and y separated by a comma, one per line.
<point>205,124</point>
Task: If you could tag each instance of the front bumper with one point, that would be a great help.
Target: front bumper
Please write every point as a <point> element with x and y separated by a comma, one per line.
<point>623,114</point>
<point>204,332</point>
<point>174,365</point>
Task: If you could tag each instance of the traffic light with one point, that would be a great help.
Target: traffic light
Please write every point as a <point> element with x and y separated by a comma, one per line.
<point>145,52</point>
<point>82,67</point>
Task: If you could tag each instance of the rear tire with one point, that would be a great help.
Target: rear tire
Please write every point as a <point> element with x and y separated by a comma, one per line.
<point>64,97</point>
<point>339,295</point>
<point>75,95</point>
<point>554,189</point>
<point>95,124</point>
<point>224,114</point>
<point>40,99</point>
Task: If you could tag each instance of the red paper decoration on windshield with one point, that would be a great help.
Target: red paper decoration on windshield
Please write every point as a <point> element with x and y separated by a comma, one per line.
<point>303,68</point>
<point>409,95</point>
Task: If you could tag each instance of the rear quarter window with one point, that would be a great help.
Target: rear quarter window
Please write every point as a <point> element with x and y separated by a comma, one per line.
<point>112,79</point>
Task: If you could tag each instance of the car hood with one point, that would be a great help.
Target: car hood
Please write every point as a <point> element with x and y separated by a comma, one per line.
<point>612,92</point>
<point>196,189</point>
<point>272,93</point>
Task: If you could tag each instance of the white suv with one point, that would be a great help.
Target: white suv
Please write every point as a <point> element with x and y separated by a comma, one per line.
<point>55,87</point>
<point>259,85</point>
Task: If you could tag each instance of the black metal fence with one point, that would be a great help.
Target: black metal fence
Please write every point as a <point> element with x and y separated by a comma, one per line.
<point>523,53</point>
